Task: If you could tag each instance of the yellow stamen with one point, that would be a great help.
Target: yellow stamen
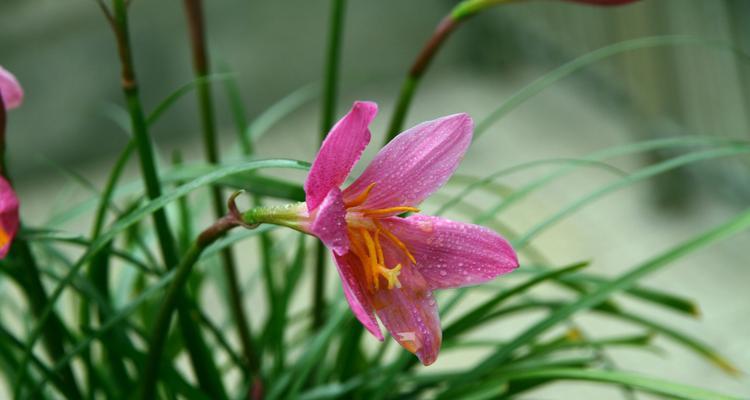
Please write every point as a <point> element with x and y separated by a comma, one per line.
<point>390,210</point>
<point>397,242</point>
<point>372,254</point>
<point>361,253</point>
<point>379,248</point>
<point>361,198</point>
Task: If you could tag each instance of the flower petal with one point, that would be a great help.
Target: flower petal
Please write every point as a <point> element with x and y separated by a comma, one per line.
<point>10,89</point>
<point>329,223</point>
<point>340,151</point>
<point>414,164</point>
<point>411,316</point>
<point>355,295</point>
<point>8,216</point>
<point>452,254</point>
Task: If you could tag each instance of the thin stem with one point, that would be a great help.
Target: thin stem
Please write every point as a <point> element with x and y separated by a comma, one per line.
<point>442,32</point>
<point>171,300</point>
<point>328,113</point>
<point>196,23</point>
<point>333,59</point>
<point>201,358</point>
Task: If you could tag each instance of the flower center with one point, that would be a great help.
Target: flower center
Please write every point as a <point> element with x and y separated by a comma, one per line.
<point>365,238</point>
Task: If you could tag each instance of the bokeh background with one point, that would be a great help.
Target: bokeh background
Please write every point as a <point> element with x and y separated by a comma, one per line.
<point>63,53</point>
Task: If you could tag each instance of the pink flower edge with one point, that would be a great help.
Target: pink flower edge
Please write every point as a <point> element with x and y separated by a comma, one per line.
<point>10,89</point>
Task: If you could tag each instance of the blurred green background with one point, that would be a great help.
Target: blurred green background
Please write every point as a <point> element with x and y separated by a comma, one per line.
<point>63,53</point>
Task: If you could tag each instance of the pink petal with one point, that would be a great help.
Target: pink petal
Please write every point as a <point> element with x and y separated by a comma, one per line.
<point>347,266</point>
<point>453,254</point>
<point>340,151</point>
<point>329,223</point>
<point>411,316</point>
<point>8,216</point>
<point>415,164</point>
<point>10,89</point>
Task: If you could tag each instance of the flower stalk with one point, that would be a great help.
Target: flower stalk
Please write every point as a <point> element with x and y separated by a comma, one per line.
<point>201,68</point>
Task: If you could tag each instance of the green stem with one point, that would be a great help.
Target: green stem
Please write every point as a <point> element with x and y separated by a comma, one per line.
<point>171,302</point>
<point>328,113</point>
<point>196,23</point>
<point>140,131</point>
<point>201,358</point>
<point>447,25</point>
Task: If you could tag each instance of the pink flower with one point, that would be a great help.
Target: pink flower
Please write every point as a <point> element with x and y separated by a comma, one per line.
<point>389,265</point>
<point>8,216</point>
<point>10,91</point>
<point>11,96</point>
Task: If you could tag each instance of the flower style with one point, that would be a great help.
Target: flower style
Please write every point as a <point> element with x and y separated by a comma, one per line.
<point>11,96</point>
<point>389,265</point>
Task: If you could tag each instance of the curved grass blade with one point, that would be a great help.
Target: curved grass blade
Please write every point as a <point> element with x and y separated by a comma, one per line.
<point>276,112</point>
<point>647,384</point>
<point>43,235</point>
<point>655,296</point>
<point>602,293</point>
<point>587,59</point>
<point>489,179</point>
<point>639,175</point>
<point>469,319</point>
<point>165,104</point>
<point>627,149</point>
